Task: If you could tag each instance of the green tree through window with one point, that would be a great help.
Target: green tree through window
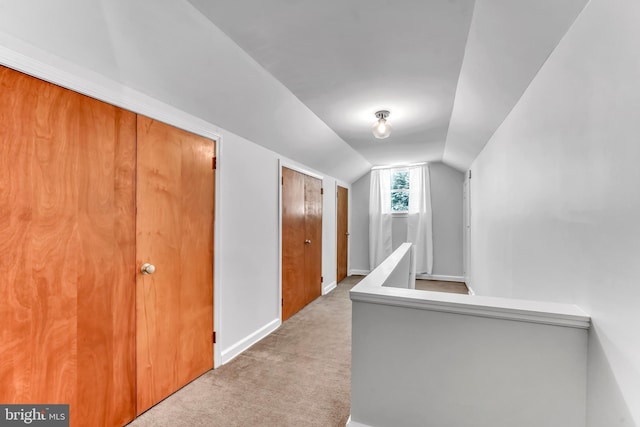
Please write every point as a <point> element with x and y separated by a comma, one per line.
<point>399,190</point>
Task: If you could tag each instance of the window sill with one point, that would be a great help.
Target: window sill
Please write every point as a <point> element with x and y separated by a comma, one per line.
<point>399,214</point>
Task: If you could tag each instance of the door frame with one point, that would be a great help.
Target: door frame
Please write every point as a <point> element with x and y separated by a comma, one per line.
<point>217,250</point>
<point>466,231</point>
<point>296,167</point>
<point>85,82</point>
<point>348,188</point>
<point>65,74</point>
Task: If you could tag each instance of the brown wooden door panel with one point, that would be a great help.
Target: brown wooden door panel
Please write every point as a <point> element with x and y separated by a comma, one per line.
<point>67,244</point>
<point>313,233</point>
<point>293,247</point>
<point>342,237</point>
<point>175,233</point>
<point>196,256</point>
<point>301,241</point>
<point>106,300</point>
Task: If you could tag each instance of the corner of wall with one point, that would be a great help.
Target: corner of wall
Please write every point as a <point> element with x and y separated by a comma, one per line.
<point>328,288</point>
<point>235,349</point>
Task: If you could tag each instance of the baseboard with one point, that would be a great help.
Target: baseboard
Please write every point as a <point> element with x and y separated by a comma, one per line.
<point>358,272</point>
<point>351,423</point>
<point>440,277</point>
<point>331,286</point>
<point>233,351</point>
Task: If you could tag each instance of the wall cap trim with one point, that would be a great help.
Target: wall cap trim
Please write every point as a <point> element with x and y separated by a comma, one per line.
<point>371,290</point>
<point>547,313</point>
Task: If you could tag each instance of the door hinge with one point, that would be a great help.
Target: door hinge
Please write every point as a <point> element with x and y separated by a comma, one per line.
<point>214,163</point>
<point>469,173</point>
<point>282,302</point>
<point>322,191</point>
<point>214,337</point>
<point>283,180</point>
<point>321,279</point>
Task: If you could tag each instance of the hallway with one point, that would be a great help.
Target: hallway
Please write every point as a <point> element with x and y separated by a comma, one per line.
<point>300,375</point>
<point>297,376</point>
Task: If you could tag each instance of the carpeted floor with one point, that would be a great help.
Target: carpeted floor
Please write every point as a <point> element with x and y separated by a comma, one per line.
<point>441,286</point>
<point>300,375</point>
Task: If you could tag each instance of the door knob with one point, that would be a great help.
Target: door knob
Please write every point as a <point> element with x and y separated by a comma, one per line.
<point>148,268</point>
<point>307,242</point>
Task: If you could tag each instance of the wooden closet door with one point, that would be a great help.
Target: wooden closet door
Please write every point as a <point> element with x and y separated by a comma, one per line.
<point>301,240</point>
<point>293,247</point>
<point>174,227</point>
<point>342,236</point>
<point>67,261</point>
<point>313,234</point>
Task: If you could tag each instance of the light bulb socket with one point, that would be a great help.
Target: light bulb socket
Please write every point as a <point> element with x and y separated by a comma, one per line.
<point>382,114</point>
<point>382,128</point>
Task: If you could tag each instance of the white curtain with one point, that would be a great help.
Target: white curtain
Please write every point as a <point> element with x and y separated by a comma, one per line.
<point>419,221</point>
<point>379,217</point>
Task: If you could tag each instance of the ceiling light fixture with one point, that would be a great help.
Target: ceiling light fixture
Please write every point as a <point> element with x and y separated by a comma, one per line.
<point>382,128</point>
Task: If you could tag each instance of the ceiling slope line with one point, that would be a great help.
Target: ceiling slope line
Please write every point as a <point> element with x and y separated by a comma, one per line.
<point>363,165</point>
<point>455,96</point>
<point>544,62</point>
<point>334,58</point>
<point>503,60</point>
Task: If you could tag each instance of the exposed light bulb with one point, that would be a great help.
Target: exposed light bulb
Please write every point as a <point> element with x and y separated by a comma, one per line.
<point>381,128</point>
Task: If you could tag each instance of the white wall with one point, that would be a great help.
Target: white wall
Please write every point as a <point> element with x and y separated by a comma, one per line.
<point>249,259</point>
<point>359,242</point>
<point>247,285</point>
<point>438,359</point>
<point>415,367</point>
<point>446,203</point>
<point>329,234</point>
<point>248,212</point>
<point>556,204</point>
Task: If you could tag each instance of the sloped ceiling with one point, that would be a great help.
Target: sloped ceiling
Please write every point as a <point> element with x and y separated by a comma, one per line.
<point>508,43</point>
<point>448,70</point>
<point>305,77</point>
<point>171,52</point>
<point>347,59</point>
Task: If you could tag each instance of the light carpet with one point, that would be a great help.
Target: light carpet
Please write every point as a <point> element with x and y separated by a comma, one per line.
<point>300,375</point>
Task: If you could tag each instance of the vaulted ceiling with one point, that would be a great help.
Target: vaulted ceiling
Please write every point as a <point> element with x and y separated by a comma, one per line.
<point>448,70</point>
<point>305,77</point>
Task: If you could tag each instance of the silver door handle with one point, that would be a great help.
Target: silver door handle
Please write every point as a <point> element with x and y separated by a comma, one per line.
<point>147,268</point>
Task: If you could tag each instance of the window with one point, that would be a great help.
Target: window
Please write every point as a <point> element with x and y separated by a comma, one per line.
<point>399,190</point>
